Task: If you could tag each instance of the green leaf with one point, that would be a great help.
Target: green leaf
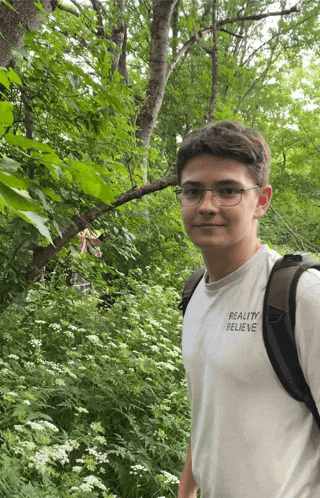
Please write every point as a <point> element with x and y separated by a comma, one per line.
<point>26,143</point>
<point>6,113</point>
<point>4,79</point>
<point>37,219</point>
<point>40,7</point>
<point>12,75</point>
<point>13,181</point>
<point>2,130</point>
<point>51,193</point>
<point>7,164</point>
<point>107,194</point>
<point>8,5</point>
<point>17,199</point>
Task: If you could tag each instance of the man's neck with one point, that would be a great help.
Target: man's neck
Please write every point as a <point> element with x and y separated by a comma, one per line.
<point>222,262</point>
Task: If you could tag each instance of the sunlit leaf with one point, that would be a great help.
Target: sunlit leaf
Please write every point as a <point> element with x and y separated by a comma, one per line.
<point>7,164</point>
<point>6,114</point>
<point>51,193</point>
<point>13,76</point>
<point>38,220</point>
<point>4,79</point>
<point>17,199</point>
<point>26,143</point>
<point>11,180</point>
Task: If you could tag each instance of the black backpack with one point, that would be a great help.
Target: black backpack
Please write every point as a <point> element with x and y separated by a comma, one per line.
<point>278,322</point>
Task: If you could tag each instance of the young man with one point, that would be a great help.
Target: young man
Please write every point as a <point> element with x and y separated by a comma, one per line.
<point>249,437</point>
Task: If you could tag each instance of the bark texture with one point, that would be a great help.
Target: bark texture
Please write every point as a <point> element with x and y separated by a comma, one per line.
<point>162,14</point>
<point>26,14</point>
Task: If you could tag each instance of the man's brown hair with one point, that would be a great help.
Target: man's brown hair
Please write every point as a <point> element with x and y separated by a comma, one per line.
<point>230,140</point>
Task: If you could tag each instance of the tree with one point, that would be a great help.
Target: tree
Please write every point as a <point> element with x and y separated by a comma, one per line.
<point>92,102</point>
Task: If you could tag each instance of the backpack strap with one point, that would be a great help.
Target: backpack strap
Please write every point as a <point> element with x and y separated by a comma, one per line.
<point>279,322</point>
<point>189,288</point>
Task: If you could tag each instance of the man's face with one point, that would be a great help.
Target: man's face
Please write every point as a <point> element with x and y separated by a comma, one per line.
<point>231,225</point>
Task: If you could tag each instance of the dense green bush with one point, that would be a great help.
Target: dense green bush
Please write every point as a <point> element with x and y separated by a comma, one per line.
<point>94,402</point>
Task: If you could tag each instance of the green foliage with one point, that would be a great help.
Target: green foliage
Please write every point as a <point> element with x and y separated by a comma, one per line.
<point>93,400</point>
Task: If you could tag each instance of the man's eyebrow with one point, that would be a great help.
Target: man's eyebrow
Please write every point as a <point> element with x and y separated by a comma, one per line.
<point>222,182</point>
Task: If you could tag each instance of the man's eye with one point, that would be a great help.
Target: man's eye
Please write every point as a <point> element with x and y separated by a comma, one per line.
<point>229,190</point>
<point>192,192</point>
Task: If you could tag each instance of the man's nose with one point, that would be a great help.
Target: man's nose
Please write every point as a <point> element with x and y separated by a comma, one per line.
<point>208,202</point>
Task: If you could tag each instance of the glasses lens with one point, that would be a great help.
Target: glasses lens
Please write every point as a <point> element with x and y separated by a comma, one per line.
<point>228,195</point>
<point>190,196</point>
<point>224,196</point>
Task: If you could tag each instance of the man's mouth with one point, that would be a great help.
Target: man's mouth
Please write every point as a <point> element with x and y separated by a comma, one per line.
<point>209,225</point>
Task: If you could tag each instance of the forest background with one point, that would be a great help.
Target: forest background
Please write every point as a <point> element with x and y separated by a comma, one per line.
<point>95,97</point>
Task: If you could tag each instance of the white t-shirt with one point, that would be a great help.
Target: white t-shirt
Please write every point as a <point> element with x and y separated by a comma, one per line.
<point>249,437</point>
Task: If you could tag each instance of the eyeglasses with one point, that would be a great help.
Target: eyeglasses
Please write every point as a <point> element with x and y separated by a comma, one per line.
<point>224,195</point>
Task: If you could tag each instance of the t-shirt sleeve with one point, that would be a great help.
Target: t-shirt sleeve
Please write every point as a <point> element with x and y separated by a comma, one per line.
<point>307,329</point>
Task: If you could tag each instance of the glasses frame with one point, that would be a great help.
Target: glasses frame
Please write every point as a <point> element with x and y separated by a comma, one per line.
<point>214,194</point>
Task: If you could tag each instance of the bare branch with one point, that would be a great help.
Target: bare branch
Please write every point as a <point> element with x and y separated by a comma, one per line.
<point>184,50</point>
<point>42,255</point>
<point>67,9</point>
<point>202,45</point>
<point>230,33</point>
<point>257,17</point>
<point>76,4</point>
<point>253,84</point>
<point>276,36</point>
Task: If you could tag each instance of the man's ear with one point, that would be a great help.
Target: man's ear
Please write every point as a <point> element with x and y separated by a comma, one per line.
<point>264,200</point>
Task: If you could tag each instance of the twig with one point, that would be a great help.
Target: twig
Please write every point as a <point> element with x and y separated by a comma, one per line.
<point>67,9</point>
<point>230,33</point>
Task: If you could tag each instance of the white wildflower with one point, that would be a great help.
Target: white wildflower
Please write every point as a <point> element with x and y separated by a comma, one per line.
<point>26,402</point>
<point>81,410</point>
<point>94,339</point>
<point>55,326</point>
<point>77,469</point>
<point>60,382</point>
<point>60,453</point>
<point>13,356</point>
<point>100,457</point>
<point>70,334</point>
<point>50,426</point>
<point>35,343</point>
<point>35,426</point>
<point>91,481</point>
<point>19,428</point>
<point>170,478</point>
<point>100,439</point>
<point>40,322</point>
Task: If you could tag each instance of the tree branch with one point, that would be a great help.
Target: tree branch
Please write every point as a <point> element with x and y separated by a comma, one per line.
<point>184,50</point>
<point>42,255</point>
<point>67,9</point>
<point>202,45</point>
<point>253,84</point>
<point>258,17</point>
<point>76,4</point>
<point>230,33</point>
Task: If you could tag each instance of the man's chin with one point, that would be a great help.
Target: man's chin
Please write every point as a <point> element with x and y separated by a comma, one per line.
<point>204,243</point>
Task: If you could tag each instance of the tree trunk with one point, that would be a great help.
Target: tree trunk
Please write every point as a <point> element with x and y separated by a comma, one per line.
<point>11,33</point>
<point>162,12</point>
<point>214,55</point>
